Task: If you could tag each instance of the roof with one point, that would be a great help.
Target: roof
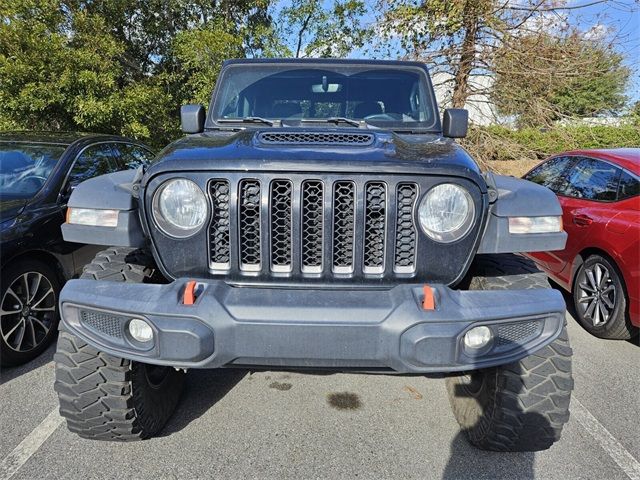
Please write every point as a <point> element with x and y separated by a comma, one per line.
<point>323,61</point>
<point>628,158</point>
<point>61,138</point>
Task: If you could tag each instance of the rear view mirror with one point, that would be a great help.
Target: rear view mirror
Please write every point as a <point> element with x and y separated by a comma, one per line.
<point>192,118</point>
<point>455,123</point>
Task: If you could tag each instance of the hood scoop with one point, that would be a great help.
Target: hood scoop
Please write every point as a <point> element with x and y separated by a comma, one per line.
<point>316,138</point>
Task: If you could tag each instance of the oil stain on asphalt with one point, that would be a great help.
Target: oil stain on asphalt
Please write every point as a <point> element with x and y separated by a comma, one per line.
<point>344,401</point>
<point>282,386</point>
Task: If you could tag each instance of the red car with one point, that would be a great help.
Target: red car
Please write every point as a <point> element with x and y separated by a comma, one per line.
<point>598,191</point>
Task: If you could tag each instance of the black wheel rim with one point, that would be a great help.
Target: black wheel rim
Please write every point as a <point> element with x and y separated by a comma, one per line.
<point>156,374</point>
<point>27,311</point>
<point>472,382</point>
<point>597,294</point>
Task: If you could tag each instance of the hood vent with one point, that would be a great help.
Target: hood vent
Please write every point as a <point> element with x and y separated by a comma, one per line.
<point>316,138</point>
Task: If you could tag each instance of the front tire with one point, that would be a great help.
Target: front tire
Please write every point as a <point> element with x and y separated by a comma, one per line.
<point>599,296</point>
<point>524,405</point>
<point>109,398</point>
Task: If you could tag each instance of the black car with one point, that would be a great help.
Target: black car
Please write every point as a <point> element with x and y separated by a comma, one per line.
<point>38,172</point>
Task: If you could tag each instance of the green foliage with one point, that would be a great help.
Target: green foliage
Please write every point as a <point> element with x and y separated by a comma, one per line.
<point>317,32</point>
<point>543,78</point>
<point>500,143</point>
<point>199,55</point>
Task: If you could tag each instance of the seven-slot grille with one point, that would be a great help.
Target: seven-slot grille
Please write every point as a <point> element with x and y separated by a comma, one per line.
<point>312,226</point>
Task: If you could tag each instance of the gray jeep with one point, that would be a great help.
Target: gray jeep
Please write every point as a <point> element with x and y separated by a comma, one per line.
<point>320,216</point>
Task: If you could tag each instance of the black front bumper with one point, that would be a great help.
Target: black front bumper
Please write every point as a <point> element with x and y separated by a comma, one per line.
<point>306,328</point>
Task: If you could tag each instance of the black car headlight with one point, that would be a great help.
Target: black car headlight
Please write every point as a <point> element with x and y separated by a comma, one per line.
<point>180,208</point>
<point>446,212</point>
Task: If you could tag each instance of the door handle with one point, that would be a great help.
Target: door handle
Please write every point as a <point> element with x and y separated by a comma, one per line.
<point>582,220</point>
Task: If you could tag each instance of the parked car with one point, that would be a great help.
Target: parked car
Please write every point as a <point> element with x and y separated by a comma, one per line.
<point>599,193</point>
<point>38,172</point>
<point>331,192</point>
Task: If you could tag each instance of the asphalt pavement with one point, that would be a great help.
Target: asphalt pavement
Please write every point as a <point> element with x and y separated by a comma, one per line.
<point>237,424</point>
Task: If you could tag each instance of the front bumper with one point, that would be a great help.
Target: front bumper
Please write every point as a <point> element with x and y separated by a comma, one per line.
<point>369,329</point>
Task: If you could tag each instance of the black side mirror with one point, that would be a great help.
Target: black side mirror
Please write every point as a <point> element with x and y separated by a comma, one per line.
<point>192,118</point>
<point>455,122</point>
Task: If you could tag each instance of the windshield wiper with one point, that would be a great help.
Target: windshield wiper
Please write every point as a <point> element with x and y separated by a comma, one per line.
<point>337,120</point>
<point>247,120</point>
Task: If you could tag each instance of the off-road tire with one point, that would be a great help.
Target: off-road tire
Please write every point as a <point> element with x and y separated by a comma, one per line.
<point>618,326</point>
<point>104,397</point>
<point>524,405</point>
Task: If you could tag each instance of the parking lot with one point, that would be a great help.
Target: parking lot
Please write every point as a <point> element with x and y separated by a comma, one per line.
<point>238,424</point>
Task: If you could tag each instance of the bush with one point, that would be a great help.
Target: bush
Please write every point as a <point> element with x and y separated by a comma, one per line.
<point>496,143</point>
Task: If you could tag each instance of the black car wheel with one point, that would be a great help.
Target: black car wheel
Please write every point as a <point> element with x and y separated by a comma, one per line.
<point>600,299</point>
<point>28,311</point>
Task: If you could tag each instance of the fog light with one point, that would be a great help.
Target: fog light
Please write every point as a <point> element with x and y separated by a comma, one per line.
<point>140,330</point>
<point>477,337</point>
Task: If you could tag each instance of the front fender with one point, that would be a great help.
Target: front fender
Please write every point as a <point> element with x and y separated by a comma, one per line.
<point>113,191</point>
<point>519,198</point>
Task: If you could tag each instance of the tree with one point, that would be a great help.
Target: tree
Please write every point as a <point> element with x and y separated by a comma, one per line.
<point>464,38</point>
<point>543,78</point>
<point>314,31</point>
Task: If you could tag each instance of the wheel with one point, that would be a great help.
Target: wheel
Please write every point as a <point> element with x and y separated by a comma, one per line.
<point>599,296</point>
<point>28,311</point>
<point>521,406</point>
<point>105,397</point>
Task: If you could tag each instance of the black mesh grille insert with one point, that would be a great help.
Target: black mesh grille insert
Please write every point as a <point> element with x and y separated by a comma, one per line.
<point>219,229</point>
<point>514,333</point>
<point>344,195</point>
<point>375,226</point>
<point>281,191</point>
<point>249,220</point>
<point>312,225</point>
<point>109,324</point>
<point>405,251</point>
<point>316,138</point>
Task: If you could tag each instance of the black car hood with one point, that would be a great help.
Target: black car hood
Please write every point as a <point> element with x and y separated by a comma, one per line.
<point>11,206</point>
<point>388,152</point>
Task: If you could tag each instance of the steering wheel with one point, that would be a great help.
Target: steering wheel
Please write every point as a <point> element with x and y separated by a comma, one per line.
<point>389,117</point>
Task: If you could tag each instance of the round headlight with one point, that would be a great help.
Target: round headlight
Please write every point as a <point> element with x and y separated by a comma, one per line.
<point>446,212</point>
<point>179,208</point>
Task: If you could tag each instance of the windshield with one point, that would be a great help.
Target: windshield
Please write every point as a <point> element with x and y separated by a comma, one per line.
<point>24,168</point>
<point>391,97</point>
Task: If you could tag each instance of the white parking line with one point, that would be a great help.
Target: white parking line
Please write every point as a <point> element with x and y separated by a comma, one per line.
<point>609,444</point>
<point>30,445</point>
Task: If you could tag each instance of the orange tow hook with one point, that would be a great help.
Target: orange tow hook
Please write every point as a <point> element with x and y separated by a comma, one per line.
<point>189,296</point>
<point>429,301</point>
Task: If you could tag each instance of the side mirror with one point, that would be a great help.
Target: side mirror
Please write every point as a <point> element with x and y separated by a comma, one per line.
<point>455,123</point>
<point>192,118</point>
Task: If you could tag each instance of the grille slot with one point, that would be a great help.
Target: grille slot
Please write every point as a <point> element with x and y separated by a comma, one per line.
<point>110,325</point>
<point>344,197</point>
<point>375,227</point>
<point>405,239</point>
<point>281,193</point>
<point>249,222</point>
<point>315,138</point>
<point>312,226</point>
<point>219,229</point>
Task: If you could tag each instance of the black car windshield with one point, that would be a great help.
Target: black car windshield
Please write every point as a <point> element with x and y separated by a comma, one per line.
<point>24,168</point>
<point>386,97</point>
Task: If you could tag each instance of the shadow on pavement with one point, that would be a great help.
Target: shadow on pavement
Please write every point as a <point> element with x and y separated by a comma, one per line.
<point>468,462</point>
<point>204,388</point>
<point>10,373</point>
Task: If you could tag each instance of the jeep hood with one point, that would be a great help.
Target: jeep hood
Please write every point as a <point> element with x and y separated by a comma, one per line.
<point>387,152</point>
